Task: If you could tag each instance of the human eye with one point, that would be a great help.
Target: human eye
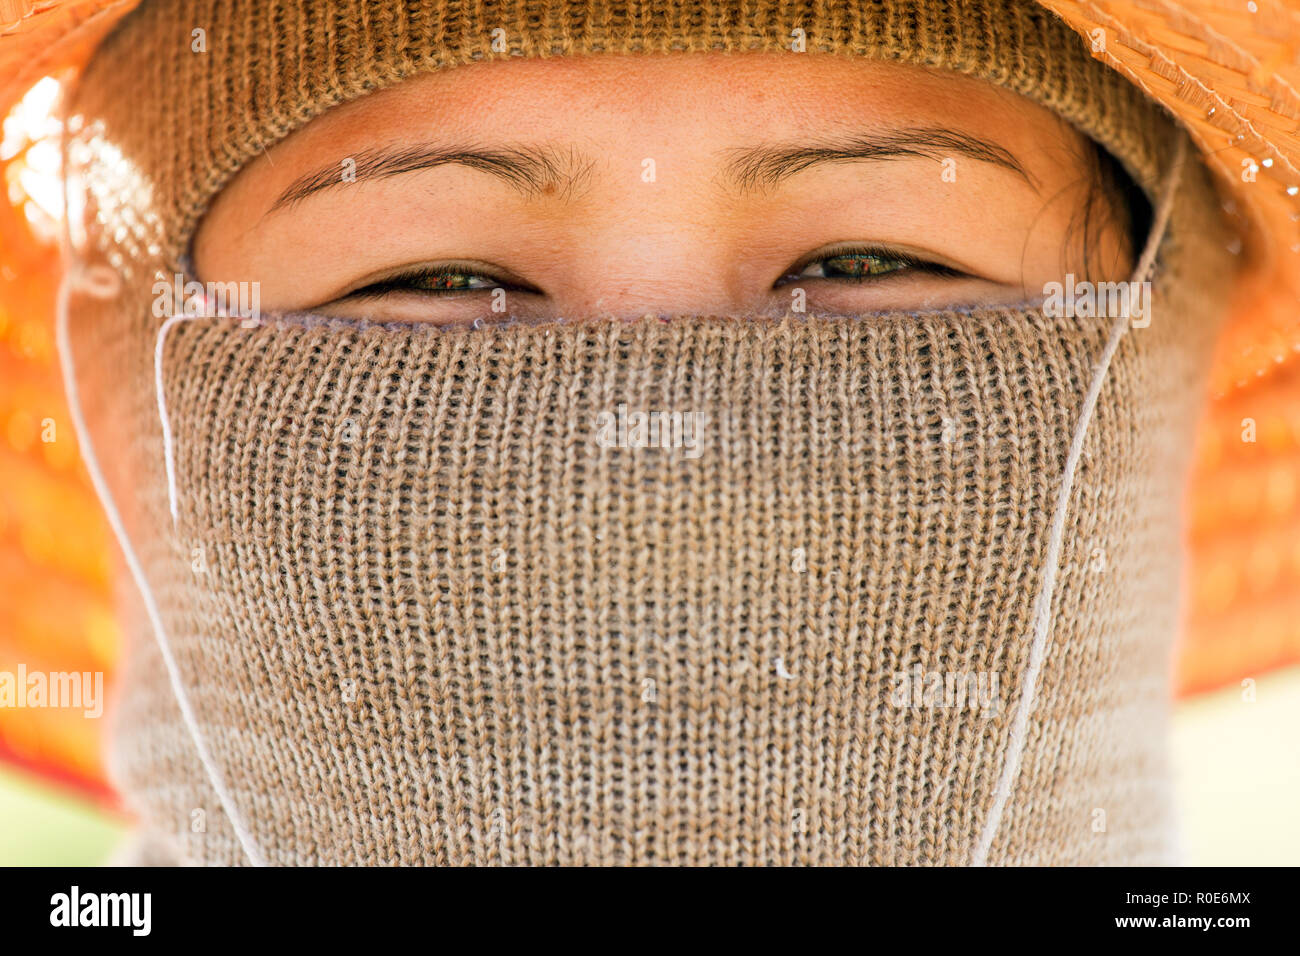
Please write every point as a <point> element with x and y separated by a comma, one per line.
<point>441,293</point>
<point>861,264</point>
<point>437,280</point>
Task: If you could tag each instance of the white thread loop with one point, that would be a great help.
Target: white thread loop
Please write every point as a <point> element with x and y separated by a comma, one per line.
<point>97,479</point>
<point>169,449</point>
<point>1042,626</point>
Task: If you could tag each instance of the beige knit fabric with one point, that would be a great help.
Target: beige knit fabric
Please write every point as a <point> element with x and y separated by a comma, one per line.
<point>424,615</point>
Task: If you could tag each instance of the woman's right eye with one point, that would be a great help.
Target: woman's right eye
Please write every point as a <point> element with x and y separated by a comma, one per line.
<point>438,280</point>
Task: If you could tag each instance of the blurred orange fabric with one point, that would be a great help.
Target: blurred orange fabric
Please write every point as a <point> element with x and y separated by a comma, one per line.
<point>56,552</point>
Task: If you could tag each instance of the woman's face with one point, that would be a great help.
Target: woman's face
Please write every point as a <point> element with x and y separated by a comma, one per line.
<point>700,183</point>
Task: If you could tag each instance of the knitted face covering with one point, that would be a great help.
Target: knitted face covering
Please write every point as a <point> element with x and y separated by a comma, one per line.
<point>892,589</point>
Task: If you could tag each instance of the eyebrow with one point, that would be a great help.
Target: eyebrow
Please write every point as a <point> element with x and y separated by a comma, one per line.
<point>542,170</point>
<point>532,170</point>
<point>763,167</point>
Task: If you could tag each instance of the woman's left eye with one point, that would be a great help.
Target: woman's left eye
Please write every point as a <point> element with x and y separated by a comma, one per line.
<point>448,282</point>
<point>864,265</point>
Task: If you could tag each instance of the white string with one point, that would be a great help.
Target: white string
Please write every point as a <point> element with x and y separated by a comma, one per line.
<point>71,274</point>
<point>169,453</point>
<point>1043,605</point>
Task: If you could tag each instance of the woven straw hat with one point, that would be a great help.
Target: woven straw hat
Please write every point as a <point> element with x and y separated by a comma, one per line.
<point>1229,71</point>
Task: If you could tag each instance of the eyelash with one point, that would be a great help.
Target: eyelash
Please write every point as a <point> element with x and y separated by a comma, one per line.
<point>407,281</point>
